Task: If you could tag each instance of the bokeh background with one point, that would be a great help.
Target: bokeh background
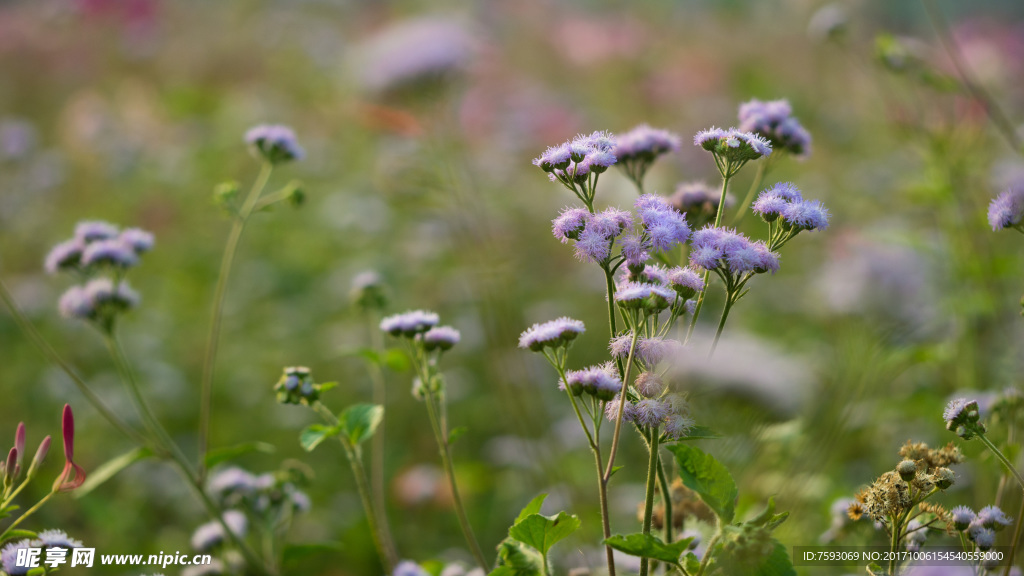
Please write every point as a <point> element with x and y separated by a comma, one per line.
<point>132,111</point>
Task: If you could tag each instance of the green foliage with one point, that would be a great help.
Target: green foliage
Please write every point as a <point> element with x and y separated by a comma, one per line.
<point>110,469</point>
<point>314,434</point>
<point>543,532</point>
<point>518,559</point>
<point>524,552</point>
<point>707,477</point>
<point>360,421</point>
<point>649,546</point>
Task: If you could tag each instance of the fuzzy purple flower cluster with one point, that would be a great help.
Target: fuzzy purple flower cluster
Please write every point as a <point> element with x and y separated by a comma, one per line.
<point>649,351</point>
<point>573,161</point>
<point>601,382</point>
<point>593,233</point>
<point>553,334</point>
<point>274,143</point>
<point>774,121</point>
<point>669,414</point>
<point>784,202</point>
<point>726,251</point>
<point>733,145</point>
<point>1007,210</point>
<point>645,143</point>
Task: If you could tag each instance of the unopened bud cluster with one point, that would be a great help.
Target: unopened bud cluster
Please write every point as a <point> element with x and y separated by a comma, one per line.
<point>296,386</point>
<point>963,417</point>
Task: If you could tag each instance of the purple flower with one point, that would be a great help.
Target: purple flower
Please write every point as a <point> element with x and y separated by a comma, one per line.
<point>775,122</point>
<point>962,517</point>
<point>598,381</point>
<point>573,161</point>
<point>644,142</point>
<point>55,539</point>
<point>419,50</point>
<point>651,413</point>
<point>611,410</point>
<point>706,257</point>
<point>650,351</point>
<point>958,411</point>
<point>139,240</point>
<point>9,558</point>
<point>409,323</point>
<point>554,158</point>
<point>439,337</point>
<point>75,304</point>
<point>552,334</point>
<point>103,292</point>
<point>67,254</point>
<point>985,538</point>
<point>993,517</point>
<point>570,224</point>
<point>635,249</point>
<point>274,142</point>
<point>592,246</point>
<point>409,568</point>
<point>109,252</point>
<point>685,281</point>
<point>806,215</point>
<point>664,225</point>
<point>92,230</point>
<point>771,202</point>
<point>649,385</point>
<point>610,223</point>
<point>678,426</point>
<point>733,145</point>
<point>725,249</point>
<point>1007,209</point>
<point>233,480</point>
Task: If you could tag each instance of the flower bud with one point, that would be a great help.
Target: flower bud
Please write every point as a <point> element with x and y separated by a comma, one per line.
<point>944,478</point>
<point>225,192</point>
<point>40,457</point>
<point>907,469</point>
<point>294,193</point>
<point>19,441</point>
<point>10,470</point>
<point>296,386</point>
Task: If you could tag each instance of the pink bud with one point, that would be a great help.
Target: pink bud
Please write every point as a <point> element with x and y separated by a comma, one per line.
<point>68,430</point>
<point>12,463</point>
<point>19,441</point>
<point>44,449</point>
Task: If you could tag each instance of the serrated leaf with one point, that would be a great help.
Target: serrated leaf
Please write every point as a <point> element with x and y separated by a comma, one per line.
<point>17,535</point>
<point>649,546</point>
<point>214,457</point>
<point>543,532</point>
<point>517,559</point>
<point>456,433</point>
<point>314,434</point>
<point>691,563</point>
<point>110,468</point>
<point>778,562</point>
<point>532,508</point>
<point>707,477</point>
<point>360,421</point>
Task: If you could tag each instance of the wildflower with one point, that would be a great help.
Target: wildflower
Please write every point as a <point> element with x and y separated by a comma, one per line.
<point>55,539</point>
<point>1007,209</point>
<point>75,304</point>
<point>678,426</point>
<point>727,250</point>
<point>587,153</point>
<point>907,469</point>
<point>569,224</point>
<point>635,248</point>
<point>67,254</point>
<point>994,518</point>
<point>275,143</point>
<point>409,568</point>
<point>367,291</point>
<point>984,538</point>
<point>552,334</point>
<point>686,282</point>
<point>698,202</point>
<point>785,201</point>
<point>439,337</point>
<point>232,480</point>
<point>139,240</point>
<point>9,557</point>
<point>73,475</point>
<point>109,252</point>
<point>732,148</point>
<point>649,384</point>
<point>664,226</point>
<point>637,149</point>
<point>211,534</point>
<point>962,517</point>
<point>410,323</point>
<point>960,411</point>
<point>774,121</point>
<point>412,52</point>
<point>651,413</point>
<point>611,410</point>
<point>296,386</point>
<point>600,382</point>
<point>92,230</point>
<point>917,534</point>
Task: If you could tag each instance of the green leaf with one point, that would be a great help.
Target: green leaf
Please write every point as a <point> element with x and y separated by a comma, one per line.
<point>649,546</point>
<point>875,570</point>
<point>17,535</point>
<point>615,469</point>
<point>542,532</point>
<point>214,457</point>
<point>396,360</point>
<point>314,434</point>
<point>456,433</point>
<point>110,468</point>
<point>360,421</point>
<point>691,563</point>
<point>517,559</point>
<point>778,563</point>
<point>707,477</point>
<point>325,386</point>
<point>532,508</point>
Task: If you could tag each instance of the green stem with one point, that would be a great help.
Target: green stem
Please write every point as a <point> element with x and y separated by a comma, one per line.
<point>27,513</point>
<point>377,442</point>
<point>708,551</point>
<point>666,497</point>
<point>602,489</point>
<point>652,474</point>
<point>707,273</point>
<point>446,460</point>
<point>762,170</point>
<point>210,358</point>
<point>1016,538</point>
<point>50,354</point>
<point>622,406</point>
<point>893,545</point>
<point>1002,458</point>
<point>721,323</point>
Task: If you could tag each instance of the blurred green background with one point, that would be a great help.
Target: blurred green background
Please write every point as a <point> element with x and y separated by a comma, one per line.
<point>132,111</point>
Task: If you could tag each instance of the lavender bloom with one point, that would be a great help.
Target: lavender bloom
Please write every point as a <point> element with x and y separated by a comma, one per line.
<point>678,426</point>
<point>725,249</point>
<point>552,334</point>
<point>984,538</point>
<point>994,518</point>
<point>570,224</point>
<point>775,122</point>
<point>55,539</point>
<point>592,246</point>
<point>554,158</point>
<point>611,410</point>
<point>598,381</point>
<point>235,480</point>
<point>733,146</point>
<point>103,292</point>
<point>637,149</point>
<point>414,51</point>
<point>635,249</point>
<point>1007,209</point>
<point>109,252</point>
<point>649,385</point>
<point>409,323</point>
<point>439,337</point>
<point>650,351</point>
<point>686,282</point>
<point>139,240</point>
<point>651,413</point>
<point>211,534</point>
<point>771,202</point>
<point>75,304</point>
<point>962,517</point>
<point>92,230</point>
<point>806,215</point>
<point>67,254</point>
<point>664,226</point>
<point>960,411</point>
<point>586,153</point>
<point>274,142</point>
<point>409,568</point>
<point>698,202</point>
<point>9,558</point>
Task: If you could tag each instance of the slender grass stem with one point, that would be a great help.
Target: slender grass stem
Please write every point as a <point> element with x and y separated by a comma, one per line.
<point>729,302</point>
<point>377,442</point>
<point>217,312</point>
<point>666,497</point>
<point>1002,458</point>
<point>652,475</point>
